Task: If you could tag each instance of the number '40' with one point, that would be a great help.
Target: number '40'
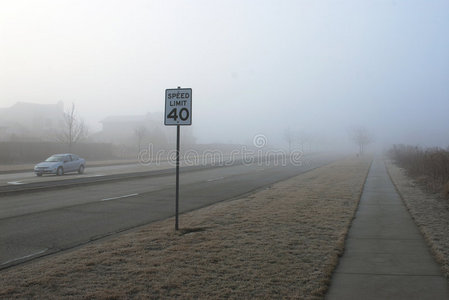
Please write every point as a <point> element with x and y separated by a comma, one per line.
<point>183,114</point>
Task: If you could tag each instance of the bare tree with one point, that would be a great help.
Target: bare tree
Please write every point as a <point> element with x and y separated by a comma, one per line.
<point>289,138</point>
<point>141,132</point>
<point>301,138</point>
<point>361,137</point>
<point>74,129</point>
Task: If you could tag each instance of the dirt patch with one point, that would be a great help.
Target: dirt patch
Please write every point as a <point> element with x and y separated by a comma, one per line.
<point>282,242</point>
<point>430,212</point>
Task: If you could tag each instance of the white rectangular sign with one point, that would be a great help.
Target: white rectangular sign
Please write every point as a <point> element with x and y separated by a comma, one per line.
<point>178,107</point>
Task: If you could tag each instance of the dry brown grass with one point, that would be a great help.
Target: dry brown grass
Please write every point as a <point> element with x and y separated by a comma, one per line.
<point>281,242</point>
<point>430,212</point>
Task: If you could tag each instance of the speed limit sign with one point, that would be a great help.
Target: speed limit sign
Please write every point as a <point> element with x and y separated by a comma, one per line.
<point>178,111</point>
<point>178,106</point>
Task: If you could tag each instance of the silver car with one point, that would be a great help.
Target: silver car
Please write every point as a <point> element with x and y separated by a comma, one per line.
<point>59,164</point>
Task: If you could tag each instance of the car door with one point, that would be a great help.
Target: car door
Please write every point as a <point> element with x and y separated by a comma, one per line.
<point>68,164</point>
<point>76,162</point>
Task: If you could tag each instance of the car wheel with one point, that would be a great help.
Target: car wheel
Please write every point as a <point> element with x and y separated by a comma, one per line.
<point>39,174</point>
<point>81,169</point>
<point>60,171</point>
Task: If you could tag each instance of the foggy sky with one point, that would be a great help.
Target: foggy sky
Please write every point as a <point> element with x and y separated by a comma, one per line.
<point>254,66</point>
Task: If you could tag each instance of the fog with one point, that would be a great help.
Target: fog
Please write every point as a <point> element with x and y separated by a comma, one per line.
<point>255,67</point>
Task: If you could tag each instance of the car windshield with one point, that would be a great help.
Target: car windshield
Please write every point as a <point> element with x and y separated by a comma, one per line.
<point>55,158</point>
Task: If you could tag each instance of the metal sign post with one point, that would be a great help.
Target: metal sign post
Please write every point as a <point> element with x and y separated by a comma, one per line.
<point>178,133</point>
<point>178,111</point>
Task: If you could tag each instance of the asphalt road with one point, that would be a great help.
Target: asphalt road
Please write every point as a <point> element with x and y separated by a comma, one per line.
<point>21,179</point>
<point>46,222</point>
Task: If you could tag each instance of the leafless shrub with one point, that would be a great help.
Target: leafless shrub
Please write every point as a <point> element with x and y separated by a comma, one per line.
<point>429,166</point>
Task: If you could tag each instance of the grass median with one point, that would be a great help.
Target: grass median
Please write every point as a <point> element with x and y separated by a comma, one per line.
<point>281,242</point>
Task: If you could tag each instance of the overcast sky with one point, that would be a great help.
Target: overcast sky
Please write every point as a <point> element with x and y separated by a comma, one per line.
<point>254,66</point>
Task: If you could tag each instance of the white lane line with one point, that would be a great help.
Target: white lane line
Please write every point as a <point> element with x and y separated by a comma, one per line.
<point>120,197</point>
<point>15,182</point>
<point>24,257</point>
<point>214,179</point>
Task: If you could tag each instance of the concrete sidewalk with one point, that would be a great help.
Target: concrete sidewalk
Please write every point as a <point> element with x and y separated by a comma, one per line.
<point>385,254</point>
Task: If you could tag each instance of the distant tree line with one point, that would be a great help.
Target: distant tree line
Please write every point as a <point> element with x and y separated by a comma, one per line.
<point>298,139</point>
<point>429,166</point>
<point>72,135</point>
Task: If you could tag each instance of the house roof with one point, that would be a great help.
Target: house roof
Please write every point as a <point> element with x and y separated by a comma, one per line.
<point>155,117</point>
<point>124,119</point>
<point>24,112</point>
